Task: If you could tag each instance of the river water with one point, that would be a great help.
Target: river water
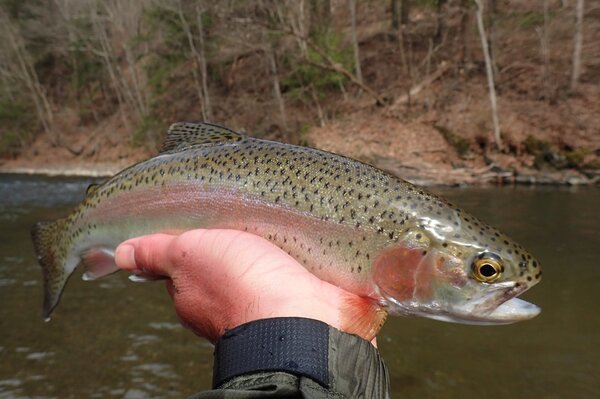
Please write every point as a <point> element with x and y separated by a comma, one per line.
<point>113,338</point>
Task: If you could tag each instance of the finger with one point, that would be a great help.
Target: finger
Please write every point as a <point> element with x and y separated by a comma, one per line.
<point>149,255</point>
<point>171,289</point>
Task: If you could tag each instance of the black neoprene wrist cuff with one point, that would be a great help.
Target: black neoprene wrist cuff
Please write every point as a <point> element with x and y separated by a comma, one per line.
<point>290,344</point>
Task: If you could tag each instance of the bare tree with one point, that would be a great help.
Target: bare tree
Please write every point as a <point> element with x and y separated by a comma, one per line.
<point>576,71</point>
<point>22,70</point>
<point>490,23</point>
<point>195,55</point>
<point>440,22</point>
<point>395,7</point>
<point>276,87</point>
<point>489,72</point>
<point>404,12</point>
<point>320,15</point>
<point>465,23</point>
<point>357,69</point>
<point>544,36</point>
<point>297,22</point>
<point>400,11</point>
<point>105,52</point>
<point>203,68</point>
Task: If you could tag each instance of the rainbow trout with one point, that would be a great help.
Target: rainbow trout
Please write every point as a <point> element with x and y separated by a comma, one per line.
<point>402,249</point>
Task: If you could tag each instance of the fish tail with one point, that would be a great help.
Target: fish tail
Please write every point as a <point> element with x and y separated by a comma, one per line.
<point>52,256</point>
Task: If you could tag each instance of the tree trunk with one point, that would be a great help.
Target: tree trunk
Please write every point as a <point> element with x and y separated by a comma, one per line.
<point>440,22</point>
<point>203,67</point>
<point>545,50</point>
<point>194,53</point>
<point>357,68</point>
<point>395,15</point>
<point>105,54</point>
<point>491,33</point>
<point>276,87</point>
<point>464,29</point>
<point>404,12</point>
<point>298,25</point>
<point>490,73</point>
<point>576,72</point>
<point>320,15</point>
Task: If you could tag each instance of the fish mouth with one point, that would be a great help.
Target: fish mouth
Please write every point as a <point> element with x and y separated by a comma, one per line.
<point>511,311</point>
<point>499,306</point>
<point>502,306</point>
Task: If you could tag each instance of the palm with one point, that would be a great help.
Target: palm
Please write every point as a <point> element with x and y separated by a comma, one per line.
<point>219,279</point>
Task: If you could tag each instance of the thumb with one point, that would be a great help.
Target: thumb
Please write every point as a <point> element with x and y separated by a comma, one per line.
<point>148,255</point>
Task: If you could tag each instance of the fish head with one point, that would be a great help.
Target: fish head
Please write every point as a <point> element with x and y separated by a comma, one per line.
<point>439,271</point>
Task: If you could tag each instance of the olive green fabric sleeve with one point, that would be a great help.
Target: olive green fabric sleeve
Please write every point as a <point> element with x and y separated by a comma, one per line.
<point>354,370</point>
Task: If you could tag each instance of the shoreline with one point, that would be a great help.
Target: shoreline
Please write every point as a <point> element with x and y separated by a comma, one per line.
<point>460,177</point>
<point>59,171</point>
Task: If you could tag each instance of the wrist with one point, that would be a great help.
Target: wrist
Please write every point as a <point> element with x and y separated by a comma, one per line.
<point>292,345</point>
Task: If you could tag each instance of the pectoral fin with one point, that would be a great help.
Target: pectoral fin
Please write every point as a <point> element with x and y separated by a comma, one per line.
<point>362,316</point>
<point>98,262</point>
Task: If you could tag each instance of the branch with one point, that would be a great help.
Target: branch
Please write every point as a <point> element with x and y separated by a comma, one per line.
<point>336,67</point>
<point>444,66</point>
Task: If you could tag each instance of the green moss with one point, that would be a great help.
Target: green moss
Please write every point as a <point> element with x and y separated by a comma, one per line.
<point>576,157</point>
<point>535,146</point>
<point>460,144</point>
<point>547,156</point>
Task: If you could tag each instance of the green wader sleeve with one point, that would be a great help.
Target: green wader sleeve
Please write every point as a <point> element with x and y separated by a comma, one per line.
<point>295,358</point>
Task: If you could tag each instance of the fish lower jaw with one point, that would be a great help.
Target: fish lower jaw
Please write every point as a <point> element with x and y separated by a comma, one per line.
<point>513,310</point>
<point>510,311</point>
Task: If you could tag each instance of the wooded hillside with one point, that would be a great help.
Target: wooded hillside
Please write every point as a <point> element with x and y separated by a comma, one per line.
<point>469,87</point>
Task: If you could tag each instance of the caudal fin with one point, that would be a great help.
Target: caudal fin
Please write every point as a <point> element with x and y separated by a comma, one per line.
<point>51,254</point>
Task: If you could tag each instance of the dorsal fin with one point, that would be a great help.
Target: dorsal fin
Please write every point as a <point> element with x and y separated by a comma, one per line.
<point>91,189</point>
<point>182,135</point>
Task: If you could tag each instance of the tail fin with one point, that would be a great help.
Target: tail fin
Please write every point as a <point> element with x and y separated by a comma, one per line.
<point>52,255</point>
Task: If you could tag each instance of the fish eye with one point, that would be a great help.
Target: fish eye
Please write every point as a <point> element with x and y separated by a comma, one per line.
<point>486,269</point>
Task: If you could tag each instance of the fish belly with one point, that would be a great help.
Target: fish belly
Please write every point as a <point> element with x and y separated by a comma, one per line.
<point>326,249</point>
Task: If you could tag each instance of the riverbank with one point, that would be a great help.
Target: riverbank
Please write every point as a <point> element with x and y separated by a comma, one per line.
<point>422,172</point>
<point>543,144</point>
<point>419,151</point>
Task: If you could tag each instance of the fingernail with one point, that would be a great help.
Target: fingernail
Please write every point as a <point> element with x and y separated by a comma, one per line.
<point>125,256</point>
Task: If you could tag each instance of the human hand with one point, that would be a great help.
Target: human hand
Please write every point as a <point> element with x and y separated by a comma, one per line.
<point>219,279</point>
